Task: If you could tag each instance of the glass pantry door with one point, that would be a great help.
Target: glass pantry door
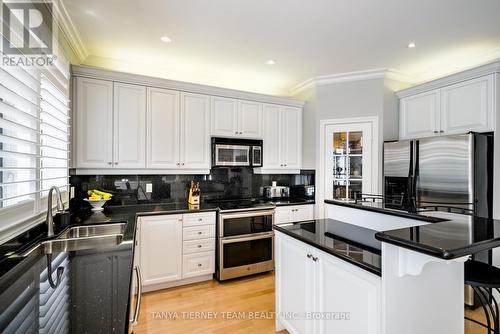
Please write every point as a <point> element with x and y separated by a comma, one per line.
<point>350,159</point>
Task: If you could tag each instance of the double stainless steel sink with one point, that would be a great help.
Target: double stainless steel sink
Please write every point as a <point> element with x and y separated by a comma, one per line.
<point>81,238</point>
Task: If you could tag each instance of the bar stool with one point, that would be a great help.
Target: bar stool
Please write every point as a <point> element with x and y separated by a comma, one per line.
<point>484,279</point>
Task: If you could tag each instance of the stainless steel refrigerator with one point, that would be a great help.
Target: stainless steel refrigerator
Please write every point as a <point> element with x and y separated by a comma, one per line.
<point>452,174</point>
<point>446,173</point>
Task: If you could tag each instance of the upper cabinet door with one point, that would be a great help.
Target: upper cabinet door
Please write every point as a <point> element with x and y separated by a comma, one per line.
<point>272,137</point>
<point>468,106</point>
<point>163,117</point>
<point>224,117</point>
<point>250,119</point>
<point>292,138</point>
<point>94,123</point>
<point>195,131</point>
<point>129,126</point>
<point>419,115</point>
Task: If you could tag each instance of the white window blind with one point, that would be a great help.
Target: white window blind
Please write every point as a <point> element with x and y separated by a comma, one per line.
<point>34,138</point>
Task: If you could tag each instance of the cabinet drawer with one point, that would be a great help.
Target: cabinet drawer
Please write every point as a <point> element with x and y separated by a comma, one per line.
<point>195,219</point>
<point>197,246</point>
<point>198,264</point>
<point>198,232</point>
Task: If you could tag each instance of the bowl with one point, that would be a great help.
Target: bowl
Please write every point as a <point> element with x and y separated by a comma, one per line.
<point>96,203</point>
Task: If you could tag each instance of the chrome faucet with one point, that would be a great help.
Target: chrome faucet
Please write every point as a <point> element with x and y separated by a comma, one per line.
<point>60,207</point>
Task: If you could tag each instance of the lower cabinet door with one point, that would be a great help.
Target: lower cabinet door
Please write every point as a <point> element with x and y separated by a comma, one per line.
<point>348,298</point>
<point>303,212</point>
<point>161,248</point>
<point>282,215</point>
<point>294,285</point>
<point>198,264</point>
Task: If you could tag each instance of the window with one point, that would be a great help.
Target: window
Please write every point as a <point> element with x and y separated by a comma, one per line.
<point>34,130</point>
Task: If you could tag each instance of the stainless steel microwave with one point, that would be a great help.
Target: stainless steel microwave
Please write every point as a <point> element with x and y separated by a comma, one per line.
<point>230,152</point>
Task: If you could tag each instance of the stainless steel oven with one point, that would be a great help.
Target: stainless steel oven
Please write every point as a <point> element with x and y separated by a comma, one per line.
<point>246,243</point>
<point>229,152</point>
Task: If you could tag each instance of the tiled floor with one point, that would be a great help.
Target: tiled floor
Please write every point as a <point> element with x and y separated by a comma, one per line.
<point>167,311</point>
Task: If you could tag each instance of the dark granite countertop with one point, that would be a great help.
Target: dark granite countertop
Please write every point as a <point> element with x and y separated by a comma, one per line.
<point>446,237</point>
<point>354,244</point>
<point>91,277</point>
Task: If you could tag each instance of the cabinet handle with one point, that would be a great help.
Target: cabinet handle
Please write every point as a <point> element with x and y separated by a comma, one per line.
<point>435,131</point>
<point>200,219</point>
<point>441,131</point>
<point>199,246</point>
<point>182,164</point>
<point>199,232</point>
<point>110,163</point>
<point>281,165</point>
<point>314,258</point>
<point>241,133</point>
<point>178,164</point>
<point>285,165</point>
<point>309,256</point>
<point>199,264</point>
<point>116,163</point>
<point>236,132</point>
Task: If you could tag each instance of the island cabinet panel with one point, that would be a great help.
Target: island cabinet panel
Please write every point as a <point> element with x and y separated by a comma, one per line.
<point>344,288</point>
<point>319,293</point>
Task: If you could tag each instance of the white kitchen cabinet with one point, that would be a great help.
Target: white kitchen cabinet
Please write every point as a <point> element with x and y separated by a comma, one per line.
<point>160,248</point>
<point>312,282</point>
<point>110,124</point>
<point>195,131</point>
<point>292,138</point>
<point>295,279</point>
<point>163,114</point>
<point>93,123</point>
<point>272,138</point>
<point>178,130</point>
<point>468,105</point>
<point>293,213</point>
<point>282,140</point>
<point>250,119</point>
<point>419,115</point>
<point>224,117</point>
<point>236,118</point>
<point>176,249</point>
<point>129,126</point>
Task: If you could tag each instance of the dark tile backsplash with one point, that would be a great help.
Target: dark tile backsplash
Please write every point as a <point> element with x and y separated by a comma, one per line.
<point>220,183</point>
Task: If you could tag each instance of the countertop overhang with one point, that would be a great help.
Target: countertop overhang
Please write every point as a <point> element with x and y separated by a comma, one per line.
<point>448,239</point>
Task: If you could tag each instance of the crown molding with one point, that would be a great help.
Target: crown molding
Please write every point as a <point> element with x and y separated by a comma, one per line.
<point>71,34</point>
<point>451,79</point>
<point>350,76</point>
<point>104,74</point>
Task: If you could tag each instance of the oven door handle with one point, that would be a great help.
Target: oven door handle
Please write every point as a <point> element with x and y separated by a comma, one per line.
<point>224,216</point>
<point>255,236</point>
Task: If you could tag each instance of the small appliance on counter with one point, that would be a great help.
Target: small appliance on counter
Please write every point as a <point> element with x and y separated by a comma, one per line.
<point>276,191</point>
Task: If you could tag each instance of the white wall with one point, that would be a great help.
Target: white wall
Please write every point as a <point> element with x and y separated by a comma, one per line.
<point>361,98</point>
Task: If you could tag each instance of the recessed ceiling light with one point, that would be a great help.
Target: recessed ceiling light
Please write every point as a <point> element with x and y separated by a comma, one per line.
<point>271,62</point>
<point>166,39</point>
<point>411,45</point>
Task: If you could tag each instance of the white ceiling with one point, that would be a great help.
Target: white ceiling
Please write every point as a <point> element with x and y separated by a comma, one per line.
<point>227,42</point>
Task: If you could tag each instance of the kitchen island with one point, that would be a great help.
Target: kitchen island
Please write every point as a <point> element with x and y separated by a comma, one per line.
<point>419,287</point>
